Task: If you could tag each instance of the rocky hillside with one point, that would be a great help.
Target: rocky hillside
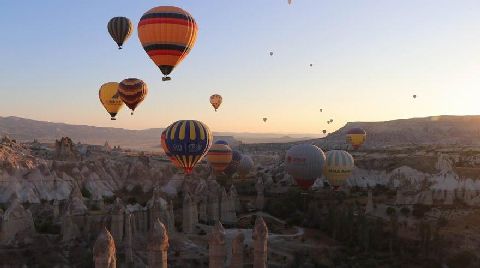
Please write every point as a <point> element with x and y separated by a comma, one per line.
<point>436,130</point>
<point>27,130</point>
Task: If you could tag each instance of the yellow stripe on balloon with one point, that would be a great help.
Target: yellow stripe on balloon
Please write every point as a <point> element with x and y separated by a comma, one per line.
<point>174,130</point>
<point>181,134</point>
<point>193,135</point>
<point>202,130</point>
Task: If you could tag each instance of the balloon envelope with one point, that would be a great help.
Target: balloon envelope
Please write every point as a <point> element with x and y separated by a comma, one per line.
<point>120,29</point>
<point>188,141</point>
<point>233,166</point>
<point>110,99</point>
<point>132,91</point>
<point>219,156</point>
<point>221,142</point>
<point>304,162</point>
<point>245,165</point>
<point>338,167</point>
<point>356,137</point>
<point>167,34</point>
<point>215,101</point>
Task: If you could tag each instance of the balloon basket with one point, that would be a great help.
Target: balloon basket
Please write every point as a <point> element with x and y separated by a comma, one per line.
<point>113,118</point>
<point>166,78</point>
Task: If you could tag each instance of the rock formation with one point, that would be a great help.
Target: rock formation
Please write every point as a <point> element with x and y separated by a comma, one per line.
<point>369,207</point>
<point>238,245</point>
<point>234,197</point>
<point>213,199</point>
<point>157,246</point>
<point>260,243</point>
<point>117,214</point>
<point>216,247</point>
<point>227,209</point>
<point>16,220</point>
<point>128,247</point>
<point>260,201</point>
<point>75,204</point>
<point>104,251</point>
<point>69,229</point>
<point>65,149</point>
<point>190,215</point>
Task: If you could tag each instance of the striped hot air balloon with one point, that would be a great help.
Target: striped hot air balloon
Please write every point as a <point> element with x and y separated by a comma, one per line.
<point>132,91</point>
<point>219,156</point>
<point>215,101</point>
<point>338,167</point>
<point>120,29</point>
<point>305,164</point>
<point>167,152</point>
<point>222,142</point>
<point>356,137</point>
<point>167,34</point>
<point>188,141</point>
<point>109,98</point>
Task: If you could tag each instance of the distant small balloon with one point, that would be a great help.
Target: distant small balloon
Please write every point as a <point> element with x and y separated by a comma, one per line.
<point>289,2</point>
<point>311,65</point>
<point>324,131</point>
<point>221,142</point>
<point>414,96</point>
<point>271,53</point>
<point>321,110</point>
<point>265,119</point>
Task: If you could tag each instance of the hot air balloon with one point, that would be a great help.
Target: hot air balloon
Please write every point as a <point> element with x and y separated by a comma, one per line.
<point>331,120</point>
<point>356,137</point>
<point>216,101</point>
<point>271,53</point>
<point>221,142</point>
<point>233,166</point>
<point>328,122</point>
<point>321,110</point>
<point>120,28</point>
<point>167,152</point>
<point>289,2</point>
<point>311,65</point>
<point>265,119</point>
<point>304,162</point>
<point>109,98</point>
<point>132,91</point>
<point>167,34</point>
<point>245,165</point>
<point>188,141</point>
<point>414,96</point>
<point>219,156</point>
<point>338,167</point>
<point>324,131</point>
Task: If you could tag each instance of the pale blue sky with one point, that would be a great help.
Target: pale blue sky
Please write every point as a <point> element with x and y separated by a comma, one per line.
<point>368,58</point>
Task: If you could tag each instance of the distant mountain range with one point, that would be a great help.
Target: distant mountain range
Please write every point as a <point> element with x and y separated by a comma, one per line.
<point>441,130</point>
<point>27,130</point>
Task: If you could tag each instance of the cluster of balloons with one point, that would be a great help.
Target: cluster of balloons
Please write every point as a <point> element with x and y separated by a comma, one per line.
<point>113,95</point>
<point>307,162</point>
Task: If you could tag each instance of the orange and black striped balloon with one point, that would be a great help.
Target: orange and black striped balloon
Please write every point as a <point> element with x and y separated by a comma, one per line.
<point>120,28</point>
<point>167,34</point>
<point>132,91</point>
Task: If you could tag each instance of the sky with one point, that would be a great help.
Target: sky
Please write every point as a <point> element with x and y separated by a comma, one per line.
<point>369,57</point>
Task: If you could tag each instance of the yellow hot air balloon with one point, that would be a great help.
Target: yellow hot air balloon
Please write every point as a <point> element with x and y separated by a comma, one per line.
<point>110,99</point>
<point>356,137</point>
<point>167,34</point>
<point>338,167</point>
<point>216,101</point>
